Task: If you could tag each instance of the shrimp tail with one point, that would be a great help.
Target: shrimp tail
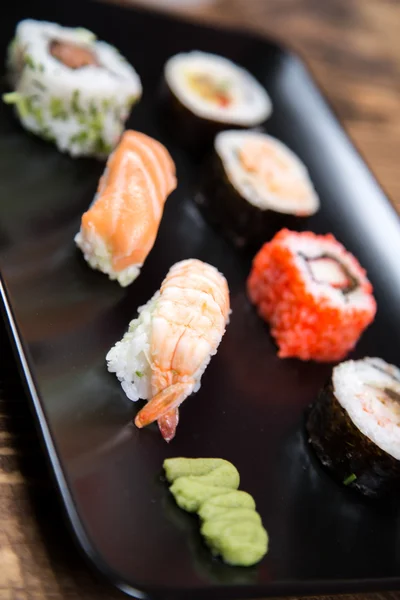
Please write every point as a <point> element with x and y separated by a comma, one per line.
<point>168,424</point>
<point>163,403</point>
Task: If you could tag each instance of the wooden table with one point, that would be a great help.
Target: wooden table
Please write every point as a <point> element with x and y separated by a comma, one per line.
<point>353,48</point>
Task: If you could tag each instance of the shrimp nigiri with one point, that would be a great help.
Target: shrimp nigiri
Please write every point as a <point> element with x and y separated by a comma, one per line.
<point>119,229</point>
<point>168,347</point>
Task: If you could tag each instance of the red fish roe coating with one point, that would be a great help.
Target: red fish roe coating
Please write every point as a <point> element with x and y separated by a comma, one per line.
<point>306,325</point>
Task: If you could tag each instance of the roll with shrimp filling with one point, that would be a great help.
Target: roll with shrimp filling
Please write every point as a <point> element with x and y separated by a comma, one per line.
<point>166,350</point>
<point>354,427</point>
<point>205,93</point>
<point>255,185</point>
<point>314,294</point>
<point>70,88</point>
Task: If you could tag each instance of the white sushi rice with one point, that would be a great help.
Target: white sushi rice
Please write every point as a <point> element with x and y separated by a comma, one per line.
<point>359,387</point>
<point>130,358</point>
<point>303,247</point>
<point>250,104</point>
<point>82,110</point>
<point>282,164</point>
<point>99,256</point>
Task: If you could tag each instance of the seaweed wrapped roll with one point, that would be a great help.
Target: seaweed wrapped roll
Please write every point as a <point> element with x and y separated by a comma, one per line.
<point>255,186</point>
<point>206,93</point>
<point>354,426</point>
<point>70,88</point>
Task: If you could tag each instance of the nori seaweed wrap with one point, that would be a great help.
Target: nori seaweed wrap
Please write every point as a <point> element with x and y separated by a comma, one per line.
<point>253,187</point>
<point>354,426</point>
<point>203,93</point>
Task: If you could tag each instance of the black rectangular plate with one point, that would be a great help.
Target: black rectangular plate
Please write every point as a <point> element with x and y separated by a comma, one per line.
<point>64,317</point>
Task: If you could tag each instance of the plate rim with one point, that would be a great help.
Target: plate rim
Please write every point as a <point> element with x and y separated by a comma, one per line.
<point>26,371</point>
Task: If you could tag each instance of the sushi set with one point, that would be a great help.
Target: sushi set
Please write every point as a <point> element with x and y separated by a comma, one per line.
<point>191,258</point>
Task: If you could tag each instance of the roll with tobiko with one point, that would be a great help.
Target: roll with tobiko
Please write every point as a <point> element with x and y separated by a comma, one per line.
<point>314,294</point>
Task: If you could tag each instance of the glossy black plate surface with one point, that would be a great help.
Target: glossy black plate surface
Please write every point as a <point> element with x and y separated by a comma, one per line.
<point>64,317</point>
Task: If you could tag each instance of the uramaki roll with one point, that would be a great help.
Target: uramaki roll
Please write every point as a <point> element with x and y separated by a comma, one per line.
<point>314,294</point>
<point>70,88</point>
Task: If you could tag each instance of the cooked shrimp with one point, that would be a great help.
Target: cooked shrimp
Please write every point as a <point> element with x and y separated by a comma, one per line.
<point>188,322</point>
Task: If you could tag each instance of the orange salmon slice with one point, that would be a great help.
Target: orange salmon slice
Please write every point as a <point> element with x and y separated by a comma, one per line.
<point>139,176</point>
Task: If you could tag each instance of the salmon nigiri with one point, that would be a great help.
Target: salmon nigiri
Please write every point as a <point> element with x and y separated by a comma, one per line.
<point>120,227</point>
<point>167,348</point>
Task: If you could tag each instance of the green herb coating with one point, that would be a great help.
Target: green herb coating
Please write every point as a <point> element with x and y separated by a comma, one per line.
<point>28,60</point>
<point>75,102</point>
<point>57,109</point>
<point>350,479</point>
<point>12,98</point>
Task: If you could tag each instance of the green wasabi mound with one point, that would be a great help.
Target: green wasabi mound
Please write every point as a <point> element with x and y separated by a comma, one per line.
<point>209,471</point>
<point>209,512</point>
<point>190,494</point>
<point>217,505</point>
<point>231,526</point>
<point>240,543</point>
<point>183,467</point>
<point>237,515</point>
<point>224,476</point>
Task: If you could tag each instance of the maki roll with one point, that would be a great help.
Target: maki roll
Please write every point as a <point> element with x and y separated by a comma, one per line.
<point>205,93</point>
<point>166,350</point>
<point>314,294</point>
<point>354,426</point>
<point>70,88</point>
<point>120,227</point>
<point>254,186</point>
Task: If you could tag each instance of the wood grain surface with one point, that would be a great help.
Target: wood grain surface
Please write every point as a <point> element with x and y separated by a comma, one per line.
<point>353,49</point>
